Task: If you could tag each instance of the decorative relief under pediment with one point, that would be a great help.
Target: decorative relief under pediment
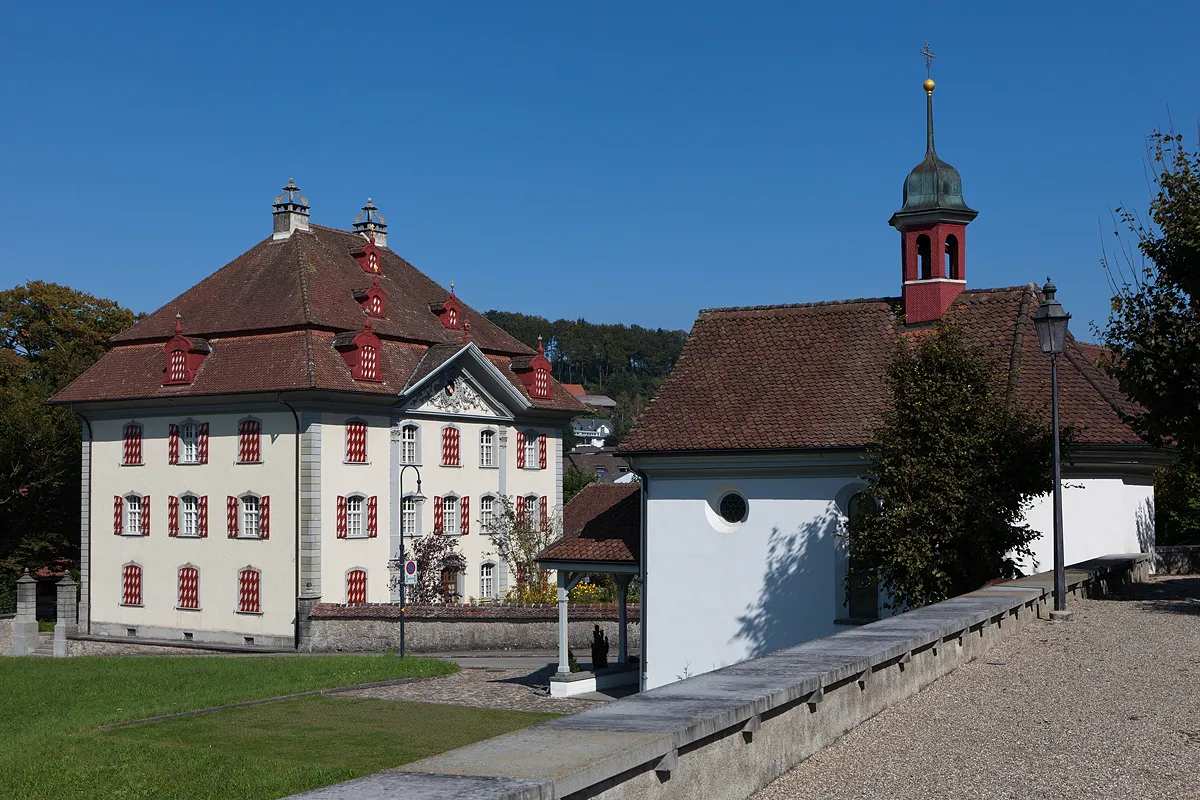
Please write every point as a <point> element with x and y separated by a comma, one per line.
<point>453,396</point>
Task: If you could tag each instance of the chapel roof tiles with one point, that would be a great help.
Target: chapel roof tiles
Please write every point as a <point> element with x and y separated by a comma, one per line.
<point>811,375</point>
<point>601,523</point>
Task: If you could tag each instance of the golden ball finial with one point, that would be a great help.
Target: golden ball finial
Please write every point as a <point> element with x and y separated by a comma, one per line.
<point>929,86</point>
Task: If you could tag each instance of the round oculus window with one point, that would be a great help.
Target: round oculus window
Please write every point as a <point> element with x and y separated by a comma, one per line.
<point>732,508</point>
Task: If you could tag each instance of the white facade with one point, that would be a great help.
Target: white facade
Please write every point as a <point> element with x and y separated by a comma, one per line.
<point>304,468</point>
<point>716,593</point>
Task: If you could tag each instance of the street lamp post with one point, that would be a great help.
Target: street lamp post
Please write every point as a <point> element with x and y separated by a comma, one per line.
<point>417,499</point>
<point>1051,324</point>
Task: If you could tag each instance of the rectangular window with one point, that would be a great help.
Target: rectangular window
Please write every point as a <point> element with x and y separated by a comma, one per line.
<point>450,447</point>
<point>189,508</point>
<point>354,517</point>
<point>133,514</point>
<point>131,594</point>
<point>189,587</point>
<point>487,449</point>
<point>531,443</point>
<point>248,592</point>
<point>487,508</point>
<point>250,517</point>
<point>450,516</point>
<point>189,438</point>
<point>249,437</point>
<point>486,581</point>
<point>133,444</point>
<point>356,442</point>
<point>408,444</point>
<point>408,519</point>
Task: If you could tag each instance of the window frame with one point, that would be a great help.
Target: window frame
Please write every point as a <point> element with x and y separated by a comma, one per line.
<point>183,515</point>
<point>127,527</point>
<point>406,503</point>
<point>242,515</point>
<point>184,442</point>
<point>416,444</point>
<point>179,588</point>
<point>366,584</point>
<point>141,585</point>
<point>258,448</point>
<point>457,515</point>
<point>366,460</point>
<point>487,518</point>
<point>487,570</point>
<point>491,449</point>
<point>458,433</point>
<point>258,593</point>
<point>141,444</point>
<point>531,450</point>
<point>361,500</point>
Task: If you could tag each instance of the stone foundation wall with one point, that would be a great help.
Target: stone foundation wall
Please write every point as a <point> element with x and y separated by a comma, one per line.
<point>445,636</point>
<point>6,635</point>
<point>1177,560</point>
<point>82,647</point>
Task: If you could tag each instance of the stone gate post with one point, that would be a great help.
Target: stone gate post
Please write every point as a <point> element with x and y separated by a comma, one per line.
<point>68,615</point>
<point>25,629</point>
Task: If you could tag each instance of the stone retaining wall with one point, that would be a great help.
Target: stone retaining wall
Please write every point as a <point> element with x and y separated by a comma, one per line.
<point>91,647</point>
<point>6,622</point>
<point>725,734</point>
<point>442,629</point>
<point>1177,560</point>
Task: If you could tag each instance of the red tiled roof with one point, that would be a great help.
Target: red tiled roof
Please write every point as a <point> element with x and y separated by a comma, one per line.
<point>811,375</point>
<point>575,389</point>
<point>601,523</point>
<point>271,316</point>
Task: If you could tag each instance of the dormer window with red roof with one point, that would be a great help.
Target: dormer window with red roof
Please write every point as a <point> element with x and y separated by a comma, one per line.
<point>361,353</point>
<point>184,356</point>
<point>450,312</point>
<point>534,373</point>
<point>373,300</point>
<point>367,257</point>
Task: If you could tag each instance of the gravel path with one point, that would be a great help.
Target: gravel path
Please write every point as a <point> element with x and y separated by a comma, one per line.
<point>515,689</point>
<point>1107,705</point>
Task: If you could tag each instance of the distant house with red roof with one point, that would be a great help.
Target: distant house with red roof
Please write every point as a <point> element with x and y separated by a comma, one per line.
<point>754,450</point>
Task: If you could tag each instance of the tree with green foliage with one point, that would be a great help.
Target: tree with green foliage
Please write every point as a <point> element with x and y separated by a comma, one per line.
<point>574,479</point>
<point>955,465</point>
<point>1176,509</point>
<point>49,334</point>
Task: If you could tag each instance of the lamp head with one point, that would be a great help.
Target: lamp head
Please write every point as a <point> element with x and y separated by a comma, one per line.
<point>1051,321</point>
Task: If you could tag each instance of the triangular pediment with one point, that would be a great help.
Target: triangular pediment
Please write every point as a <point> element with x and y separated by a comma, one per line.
<point>465,384</point>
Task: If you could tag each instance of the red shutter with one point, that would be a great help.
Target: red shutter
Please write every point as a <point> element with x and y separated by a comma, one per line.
<point>356,587</point>
<point>520,450</point>
<point>173,444</point>
<point>520,510</point>
<point>248,599</point>
<point>454,444</point>
<point>202,525</point>
<point>437,515</point>
<point>146,515</point>
<point>133,444</point>
<point>118,515</point>
<point>249,434</point>
<point>356,443</point>
<point>264,517</point>
<point>189,587</point>
<point>341,517</point>
<point>172,516</point>
<point>542,451</point>
<point>132,594</point>
<point>464,508</point>
<point>544,509</point>
<point>450,447</point>
<point>231,512</point>
<point>203,444</point>
<point>372,517</point>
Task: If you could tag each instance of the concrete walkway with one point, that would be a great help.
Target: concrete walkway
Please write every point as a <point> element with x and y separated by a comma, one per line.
<point>1107,705</point>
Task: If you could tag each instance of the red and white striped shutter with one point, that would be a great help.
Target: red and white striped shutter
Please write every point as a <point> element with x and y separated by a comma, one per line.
<point>542,451</point>
<point>189,587</point>
<point>133,444</point>
<point>464,509</point>
<point>445,446</point>
<point>341,516</point>
<point>520,450</point>
<point>132,588</point>
<point>172,516</point>
<point>520,510</point>
<point>231,512</point>
<point>372,517</point>
<point>173,444</point>
<point>118,515</point>
<point>356,587</point>
<point>248,599</point>
<point>146,515</point>
<point>544,511</point>
<point>437,515</point>
<point>203,443</point>
<point>264,517</point>
<point>249,435</point>
<point>356,443</point>
<point>202,523</point>
<point>454,442</point>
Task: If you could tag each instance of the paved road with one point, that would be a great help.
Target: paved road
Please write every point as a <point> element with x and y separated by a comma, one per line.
<point>1106,706</point>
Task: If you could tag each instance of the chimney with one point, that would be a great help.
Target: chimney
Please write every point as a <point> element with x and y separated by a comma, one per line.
<point>291,211</point>
<point>371,224</point>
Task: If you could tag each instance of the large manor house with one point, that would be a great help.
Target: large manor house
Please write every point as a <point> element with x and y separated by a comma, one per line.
<point>244,444</point>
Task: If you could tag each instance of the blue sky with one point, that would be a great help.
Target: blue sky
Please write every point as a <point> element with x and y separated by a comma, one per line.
<point>623,162</point>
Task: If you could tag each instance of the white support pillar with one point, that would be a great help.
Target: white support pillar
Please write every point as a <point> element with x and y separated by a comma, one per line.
<point>622,619</point>
<point>564,592</point>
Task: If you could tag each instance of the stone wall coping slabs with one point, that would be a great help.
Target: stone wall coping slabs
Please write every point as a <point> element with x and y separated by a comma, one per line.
<point>392,784</point>
<point>585,749</point>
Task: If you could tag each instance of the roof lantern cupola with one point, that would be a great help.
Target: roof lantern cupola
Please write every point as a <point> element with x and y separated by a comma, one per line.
<point>371,224</point>
<point>291,211</point>
<point>932,222</point>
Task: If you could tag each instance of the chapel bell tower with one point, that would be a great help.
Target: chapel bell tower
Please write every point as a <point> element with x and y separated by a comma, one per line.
<point>933,229</point>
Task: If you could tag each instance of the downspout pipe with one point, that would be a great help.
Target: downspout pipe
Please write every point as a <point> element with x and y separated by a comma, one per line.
<point>296,594</point>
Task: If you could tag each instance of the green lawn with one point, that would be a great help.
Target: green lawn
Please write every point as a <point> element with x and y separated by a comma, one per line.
<point>50,710</point>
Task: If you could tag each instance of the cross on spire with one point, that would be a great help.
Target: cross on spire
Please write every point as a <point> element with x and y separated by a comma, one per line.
<point>927,53</point>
